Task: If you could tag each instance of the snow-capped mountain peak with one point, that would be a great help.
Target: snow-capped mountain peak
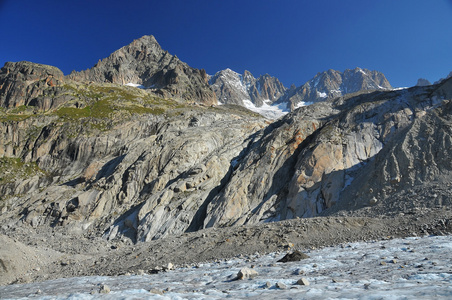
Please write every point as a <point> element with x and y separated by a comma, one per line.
<point>234,88</point>
<point>268,96</point>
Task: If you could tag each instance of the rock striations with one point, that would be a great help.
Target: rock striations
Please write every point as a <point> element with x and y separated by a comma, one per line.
<point>145,63</point>
<point>88,156</point>
<point>363,153</point>
<point>24,82</point>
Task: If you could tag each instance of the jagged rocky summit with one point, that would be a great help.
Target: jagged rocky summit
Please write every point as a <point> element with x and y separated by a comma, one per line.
<point>268,96</point>
<point>423,82</point>
<point>144,62</point>
<point>232,88</point>
<point>331,84</point>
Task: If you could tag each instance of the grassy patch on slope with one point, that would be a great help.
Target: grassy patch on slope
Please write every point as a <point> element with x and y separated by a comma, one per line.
<point>13,169</point>
<point>110,101</point>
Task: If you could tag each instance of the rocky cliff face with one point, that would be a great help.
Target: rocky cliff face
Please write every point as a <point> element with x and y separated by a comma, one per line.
<point>193,167</point>
<point>233,88</point>
<point>423,82</point>
<point>363,153</point>
<point>116,159</point>
<point>331,84</point>
<point>110,160</point>
<point>146,177</point>
<point>144,62</point>
<point>24,82</point>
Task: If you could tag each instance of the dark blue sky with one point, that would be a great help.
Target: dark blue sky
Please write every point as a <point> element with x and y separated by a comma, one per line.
<point>292,40</point>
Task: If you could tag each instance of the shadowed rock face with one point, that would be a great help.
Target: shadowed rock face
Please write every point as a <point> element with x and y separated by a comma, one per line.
<point>144,62</point>
<point>23,82</point>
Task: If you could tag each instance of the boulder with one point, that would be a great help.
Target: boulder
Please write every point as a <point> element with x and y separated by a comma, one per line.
<point>293,256</point>
<point>246,273</point>
<point>303,281</point>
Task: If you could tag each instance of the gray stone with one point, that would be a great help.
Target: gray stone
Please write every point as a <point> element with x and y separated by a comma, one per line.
<point>246,273</point>
<point>104,289</point>
<point>156,291</point>
<point>281,286</point>
<point>293,256</point>
<point>373,201</point>
<point>303,281</point>
<point>169,267</point>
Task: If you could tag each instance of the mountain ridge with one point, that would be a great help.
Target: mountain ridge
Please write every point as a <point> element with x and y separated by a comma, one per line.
<point>144,62</point>
<point>233,88</point>
<point>268,96</point>
<point>331,84</point>
<point>205,167</point>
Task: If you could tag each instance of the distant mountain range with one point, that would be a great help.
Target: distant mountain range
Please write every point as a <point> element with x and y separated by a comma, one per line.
<point>232,88</point>
<point>144,63</point>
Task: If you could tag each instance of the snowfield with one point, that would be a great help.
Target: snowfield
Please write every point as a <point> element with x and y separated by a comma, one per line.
<point>140,86</point>
<point>271,111</point>
<point>411,268</point>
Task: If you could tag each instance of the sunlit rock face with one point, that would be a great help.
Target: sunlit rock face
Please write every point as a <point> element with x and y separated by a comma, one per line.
<point>233,88</point>
<point>343,154</point>
<point>331,84</point>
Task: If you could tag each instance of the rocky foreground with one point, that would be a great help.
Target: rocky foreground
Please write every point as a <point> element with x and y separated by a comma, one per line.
<point>28,256</point>
<point>408,268</point>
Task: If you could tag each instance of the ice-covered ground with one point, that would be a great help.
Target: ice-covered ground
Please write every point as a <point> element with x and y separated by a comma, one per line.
<point>411,268</point>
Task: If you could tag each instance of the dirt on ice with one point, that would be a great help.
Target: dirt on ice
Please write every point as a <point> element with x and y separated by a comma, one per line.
<point>29,255</point>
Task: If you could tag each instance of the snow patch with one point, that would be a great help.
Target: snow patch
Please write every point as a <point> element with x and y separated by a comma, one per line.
<point>135,85</point>
<point>273,111</point>
<point>302,103</point>
<point>321,94</point>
